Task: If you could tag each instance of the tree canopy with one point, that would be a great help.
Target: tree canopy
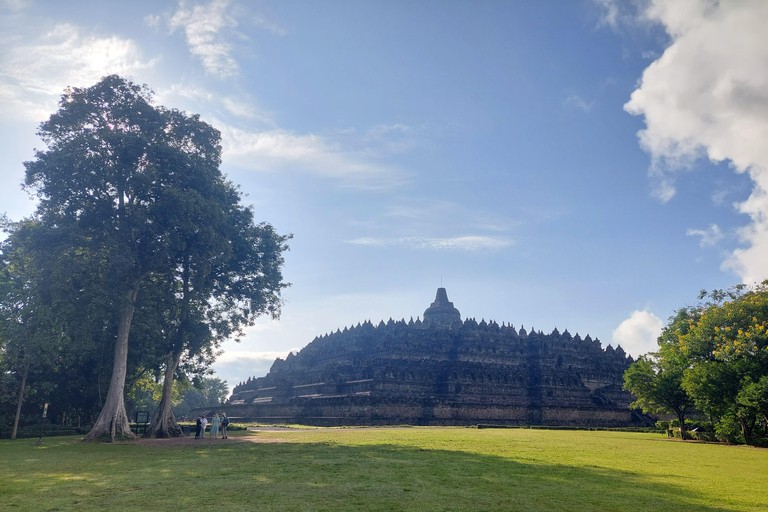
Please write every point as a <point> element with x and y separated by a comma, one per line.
<point>163,254</point>
<point>717,352</point>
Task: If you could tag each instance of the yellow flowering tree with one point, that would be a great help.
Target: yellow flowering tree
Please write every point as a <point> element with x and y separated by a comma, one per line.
<point>715,356</point>
<point>727,349</point>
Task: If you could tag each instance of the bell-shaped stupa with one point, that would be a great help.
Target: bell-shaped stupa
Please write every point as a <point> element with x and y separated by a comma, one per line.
<point>441,312</point>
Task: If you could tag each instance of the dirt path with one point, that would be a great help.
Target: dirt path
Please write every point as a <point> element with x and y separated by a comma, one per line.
<point>248,437</point>
<point>210,440</point>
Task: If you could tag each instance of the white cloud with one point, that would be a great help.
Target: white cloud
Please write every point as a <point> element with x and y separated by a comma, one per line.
<point>261,21</point>
<point>663,188</point>
<point>718,198</point>
<point>279,149</point>
<point>381,141</point>
<point>34,75</point>
<point>240,106</point>
<point>424,214</point>
<point>709,237</point>
<point>610,12</point>
<point>403,224</point>
<point>461,243</point>
<point>237,366</point>
<point>389,139</point>
<point>707,96</point>
<point>573,100</point>
<point>152,21</point>
<point>620,14</point>
<point>243,356</point>
<point>14,5</point>
<point>637,334</point>
<point>203,26</point>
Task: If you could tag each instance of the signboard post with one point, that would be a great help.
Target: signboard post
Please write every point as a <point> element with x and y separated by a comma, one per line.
<point>42,419</point>
<point>142,418</point>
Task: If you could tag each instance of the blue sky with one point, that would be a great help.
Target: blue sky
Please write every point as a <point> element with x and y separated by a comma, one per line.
<point>588,165</point>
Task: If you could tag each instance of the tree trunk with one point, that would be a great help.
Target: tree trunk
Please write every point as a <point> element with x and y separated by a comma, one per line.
<point>747,424</point>
<point>113,421</point>
<point>681,419</point>
<point>164,423</point>
<point>20,401</point>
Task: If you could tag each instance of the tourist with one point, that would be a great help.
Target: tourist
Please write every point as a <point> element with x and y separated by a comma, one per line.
<point>215,425</point>
<point>224,423</point>
<point>204,424</point>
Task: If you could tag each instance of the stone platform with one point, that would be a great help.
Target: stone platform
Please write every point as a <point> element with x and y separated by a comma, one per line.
<point>443,371</point>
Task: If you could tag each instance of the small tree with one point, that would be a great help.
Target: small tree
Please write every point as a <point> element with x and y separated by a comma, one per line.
<point>656,380</point>
<point>658,389</point>
<point>753,399</point>
<point>210,392</point>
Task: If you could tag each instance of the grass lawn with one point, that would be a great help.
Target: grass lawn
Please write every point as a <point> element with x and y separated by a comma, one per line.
<point>388,469</point>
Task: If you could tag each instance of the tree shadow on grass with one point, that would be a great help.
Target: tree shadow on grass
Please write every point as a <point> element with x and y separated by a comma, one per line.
<point>330,477</point>
<point>387,477</point>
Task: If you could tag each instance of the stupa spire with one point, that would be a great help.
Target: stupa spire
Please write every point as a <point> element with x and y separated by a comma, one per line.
<point>441,312</point>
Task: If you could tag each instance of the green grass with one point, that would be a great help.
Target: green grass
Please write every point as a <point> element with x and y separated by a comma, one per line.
<point>392,469</point>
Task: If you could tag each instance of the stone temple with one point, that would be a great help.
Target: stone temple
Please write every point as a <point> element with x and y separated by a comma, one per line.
<point>443,371</point>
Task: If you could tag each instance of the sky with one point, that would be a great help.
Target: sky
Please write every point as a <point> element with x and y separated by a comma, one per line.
<point>588,165</point>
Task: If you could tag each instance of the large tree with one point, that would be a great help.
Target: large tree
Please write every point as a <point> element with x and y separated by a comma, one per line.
<point>56,320</point>
<point>30,332</point>
<point>727,347</point>
<point>134,183</point>
<point>713,356</point>
<point>224,277</point>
